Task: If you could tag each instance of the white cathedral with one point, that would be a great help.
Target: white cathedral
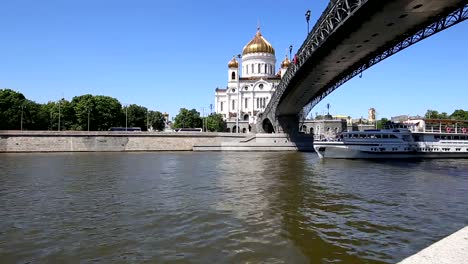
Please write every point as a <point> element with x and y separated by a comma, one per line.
<point>247,94</point>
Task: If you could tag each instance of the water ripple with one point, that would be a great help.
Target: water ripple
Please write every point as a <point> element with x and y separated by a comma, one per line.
<point>224,207</point>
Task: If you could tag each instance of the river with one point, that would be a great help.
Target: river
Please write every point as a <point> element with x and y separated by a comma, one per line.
<point>224,207</point>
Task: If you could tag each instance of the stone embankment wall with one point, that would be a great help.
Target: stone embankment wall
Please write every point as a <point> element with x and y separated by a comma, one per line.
<point>78,141</point>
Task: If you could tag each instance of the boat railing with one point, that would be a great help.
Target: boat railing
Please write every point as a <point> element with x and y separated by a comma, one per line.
<point>445,130</point>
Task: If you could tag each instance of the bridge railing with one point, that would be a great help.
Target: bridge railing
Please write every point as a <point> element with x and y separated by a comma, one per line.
<point>439,23</point>
<point>335,13</point>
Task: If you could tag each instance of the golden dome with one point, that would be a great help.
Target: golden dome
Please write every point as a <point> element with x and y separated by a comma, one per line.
<point>233,63</point>
<point>285,63</point>
<point>258,44</point>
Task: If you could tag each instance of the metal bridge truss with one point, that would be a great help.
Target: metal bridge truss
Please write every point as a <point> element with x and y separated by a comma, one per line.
<point>335,14</point>
<point>435,26</point>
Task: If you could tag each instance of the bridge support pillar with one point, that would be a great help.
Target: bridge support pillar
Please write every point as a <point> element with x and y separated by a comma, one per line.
<point>288,124</point>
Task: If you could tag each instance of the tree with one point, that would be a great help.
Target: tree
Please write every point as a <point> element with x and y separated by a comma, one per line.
<point>107,112</point>
<point>156,120</point>
<point>443,115</point>
<point>432,114</point>
<point>64,110</point>
<point>215,123</point>
<point>382,122</point>
<point>10,109</point>
<point>188,119</point>
<point>136,116</point>
<point>83,106</point>
<point>34,117</point>
<point>459,114</point>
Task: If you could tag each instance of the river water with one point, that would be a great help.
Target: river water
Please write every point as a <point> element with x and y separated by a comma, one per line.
<point>224,207</point>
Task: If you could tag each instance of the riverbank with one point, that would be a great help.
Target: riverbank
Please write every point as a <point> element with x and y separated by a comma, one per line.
<point>107,141</point>
<point>95,141</point>
<point>450,250</point>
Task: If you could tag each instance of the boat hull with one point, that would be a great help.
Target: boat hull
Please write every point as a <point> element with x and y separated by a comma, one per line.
<point>336,151</point>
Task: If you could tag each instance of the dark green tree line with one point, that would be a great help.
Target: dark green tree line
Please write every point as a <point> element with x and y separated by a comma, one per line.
<point>100,112</point>
<point>458,114</point>
<point>188,119</point>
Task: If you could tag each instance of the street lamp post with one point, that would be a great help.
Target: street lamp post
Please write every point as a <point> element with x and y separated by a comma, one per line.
<point>238,94</point>
<point>126,107</point>
<point>203,119</point>
<point>22,106</point>
<point>290,51</point>
<point>89,111</point>
<point>147,120</point>
<point>307,15</point>
<point>59,116</point>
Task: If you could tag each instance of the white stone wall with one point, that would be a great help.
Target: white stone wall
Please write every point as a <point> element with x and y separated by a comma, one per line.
<point>253,60</point>
<point>102,141</point>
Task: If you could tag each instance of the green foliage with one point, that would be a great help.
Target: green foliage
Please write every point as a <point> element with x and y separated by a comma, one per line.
<point>103,112</point>
<point>156,120</point>
<point>11,103</point>
<point>215,123</point>
<point>83,106</point>
<point>432,114</point>
<point>34,117</point>
<point>64,110</point>
<point>456,115</point>
<point>188,119</point>
<point>459,114</point>
<point>50,113</point>
<point>107,112</point>
<point>136,116</point>
<point>382,122</point>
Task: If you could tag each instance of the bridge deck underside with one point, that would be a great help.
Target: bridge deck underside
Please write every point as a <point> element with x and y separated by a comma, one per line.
<point>377,25</point>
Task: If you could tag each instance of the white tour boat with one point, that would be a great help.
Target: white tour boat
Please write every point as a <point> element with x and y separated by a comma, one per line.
<point>428,138</point>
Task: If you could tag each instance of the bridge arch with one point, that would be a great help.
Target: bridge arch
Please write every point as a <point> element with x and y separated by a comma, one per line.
<point>267,126</point>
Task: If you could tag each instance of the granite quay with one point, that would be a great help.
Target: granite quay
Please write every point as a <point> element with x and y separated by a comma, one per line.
<point>80,141</point>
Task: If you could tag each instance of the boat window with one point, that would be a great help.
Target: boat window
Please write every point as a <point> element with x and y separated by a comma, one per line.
<point>456,137</point>
<point>378,136</point>
<point>384,136</point>
<point>393,136</point>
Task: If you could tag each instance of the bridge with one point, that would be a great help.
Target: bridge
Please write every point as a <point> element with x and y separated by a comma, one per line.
<point>349,37</point>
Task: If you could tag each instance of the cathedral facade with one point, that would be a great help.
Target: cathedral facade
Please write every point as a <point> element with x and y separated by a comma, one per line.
<point>250,85</point>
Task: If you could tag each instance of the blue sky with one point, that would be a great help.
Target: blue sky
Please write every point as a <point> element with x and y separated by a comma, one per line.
<point>165,55</point>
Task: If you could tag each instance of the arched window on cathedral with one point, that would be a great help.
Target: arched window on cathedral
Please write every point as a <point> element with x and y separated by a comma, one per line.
<point>252,68</point>
<point>266,68</point>
<point>233,105</point>
<point>246,69</point>
<point>233,76</point>
<point>259,68</point>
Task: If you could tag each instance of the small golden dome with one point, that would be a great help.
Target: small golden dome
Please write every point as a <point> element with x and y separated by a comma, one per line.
<point>285,62</point>
<point>233,63</point>
<point>258,44</point>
